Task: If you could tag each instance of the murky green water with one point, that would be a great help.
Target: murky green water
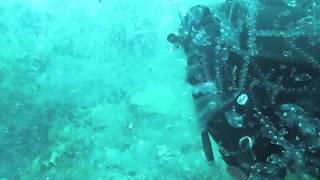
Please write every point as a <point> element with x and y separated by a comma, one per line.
<point>91,90</point>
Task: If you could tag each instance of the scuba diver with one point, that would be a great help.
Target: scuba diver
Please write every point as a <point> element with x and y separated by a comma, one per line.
<point>254,66</point>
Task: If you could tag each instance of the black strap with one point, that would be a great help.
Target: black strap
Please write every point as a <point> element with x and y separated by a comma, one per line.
<point>207,148</point>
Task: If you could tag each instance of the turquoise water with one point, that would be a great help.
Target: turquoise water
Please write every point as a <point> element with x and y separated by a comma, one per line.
<point>92,90</point>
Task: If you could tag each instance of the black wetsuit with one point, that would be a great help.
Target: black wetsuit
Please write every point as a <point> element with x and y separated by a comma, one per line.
<point>258,58</point>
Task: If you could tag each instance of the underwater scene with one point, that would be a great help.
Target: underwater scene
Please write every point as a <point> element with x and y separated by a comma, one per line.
<point>159,89</point>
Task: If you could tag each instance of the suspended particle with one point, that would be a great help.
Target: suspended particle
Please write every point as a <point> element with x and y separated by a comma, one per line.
<point>287,53</point>
<point>291,3</point>
<point>242,99</point>
<point>302,77</point>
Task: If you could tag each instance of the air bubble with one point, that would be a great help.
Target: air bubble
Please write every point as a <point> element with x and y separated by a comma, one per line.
<point>242,99</point>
